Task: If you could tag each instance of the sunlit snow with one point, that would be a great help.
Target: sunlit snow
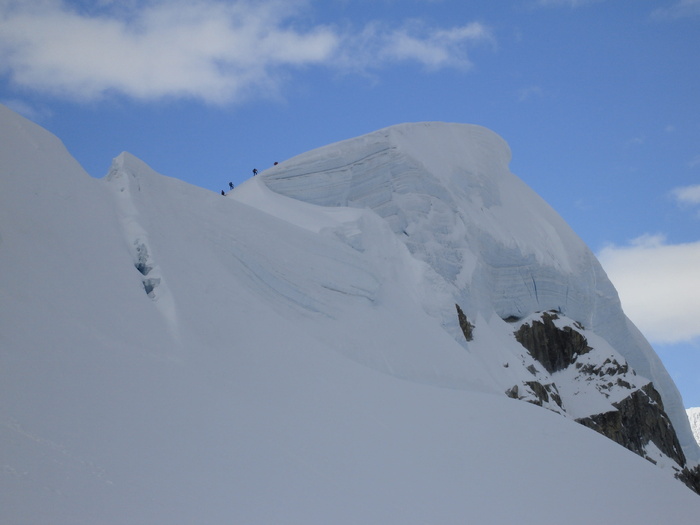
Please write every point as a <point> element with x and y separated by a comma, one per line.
<point>290,353</point>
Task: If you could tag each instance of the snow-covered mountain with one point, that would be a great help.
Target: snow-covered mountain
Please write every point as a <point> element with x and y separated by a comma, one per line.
<point>493,250</point>
<point>694,418</point>
<point>348,337</point>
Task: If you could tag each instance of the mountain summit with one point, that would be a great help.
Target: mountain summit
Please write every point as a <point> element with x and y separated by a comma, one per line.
<point>498,259</point>
<point>389,329</point>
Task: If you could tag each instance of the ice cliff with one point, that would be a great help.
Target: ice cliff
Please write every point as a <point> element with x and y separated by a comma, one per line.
<point>694,418</point>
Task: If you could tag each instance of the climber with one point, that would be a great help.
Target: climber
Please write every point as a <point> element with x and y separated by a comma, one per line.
<point>255,172</point>
<point>222,192</point>
<point>230,185</point>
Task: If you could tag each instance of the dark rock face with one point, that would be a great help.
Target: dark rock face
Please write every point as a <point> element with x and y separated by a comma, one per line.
<point>544,393</point>
<point>639,419</point>
<point>556,348</point>
<point>464,324</point>
<point>691,477</point>
<point>634,422</point>
<point>512,392</point>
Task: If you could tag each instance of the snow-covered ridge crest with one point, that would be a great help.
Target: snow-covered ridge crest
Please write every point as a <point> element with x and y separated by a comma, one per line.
<point>408,169</point>
<point>124,180</point>
<point>446,192</point>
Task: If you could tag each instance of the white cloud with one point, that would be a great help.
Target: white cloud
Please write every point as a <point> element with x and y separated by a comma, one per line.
<point>687,194</point>
<point>659,286</point>
<point>206,49</point>
<point>681,9</point>
<point>434,48</point>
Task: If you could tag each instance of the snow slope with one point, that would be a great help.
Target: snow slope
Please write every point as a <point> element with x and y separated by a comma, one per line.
<point>694,418</point>
<point>168,355</point>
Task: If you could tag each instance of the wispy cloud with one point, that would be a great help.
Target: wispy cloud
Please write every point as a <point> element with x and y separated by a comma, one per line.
<point>434,48</point>
<point>210,50</point>
<point>635,141</point>
<point>680,9</point>
<point>687,194</point>
<point>529,92</point>
<point>377,46</point>
<point>658,285</point>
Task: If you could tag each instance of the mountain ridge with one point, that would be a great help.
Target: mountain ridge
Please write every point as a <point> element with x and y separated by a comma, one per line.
<point>492,242</point>
<point>293,363</point>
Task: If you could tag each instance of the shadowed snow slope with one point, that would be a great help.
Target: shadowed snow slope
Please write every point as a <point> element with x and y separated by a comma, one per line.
<point>169,355</point>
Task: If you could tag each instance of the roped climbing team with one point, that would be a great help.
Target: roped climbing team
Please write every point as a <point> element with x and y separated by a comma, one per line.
<point>230,184</point>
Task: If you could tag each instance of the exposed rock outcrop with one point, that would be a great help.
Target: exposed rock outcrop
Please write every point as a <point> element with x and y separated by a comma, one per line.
<point>556,348</point>
<point>544,393</point>
<point>691,477</point>
<point>639,419</point>
<point>601,378</point>
<point>464,324</point>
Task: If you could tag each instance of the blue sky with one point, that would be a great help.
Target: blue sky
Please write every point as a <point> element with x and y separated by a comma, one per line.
<point>598,99</point>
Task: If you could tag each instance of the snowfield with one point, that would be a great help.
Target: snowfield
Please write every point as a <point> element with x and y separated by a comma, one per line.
<point>694,418</point>
<point>291,353</point>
